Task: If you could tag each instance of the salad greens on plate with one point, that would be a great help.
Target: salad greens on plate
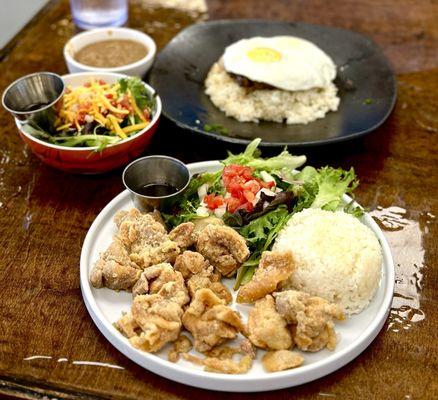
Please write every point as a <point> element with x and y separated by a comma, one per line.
<point>95,114</point>
<point>257,196</point>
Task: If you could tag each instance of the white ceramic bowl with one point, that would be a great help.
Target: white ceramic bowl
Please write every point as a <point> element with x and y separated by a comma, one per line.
<point>138,68</point>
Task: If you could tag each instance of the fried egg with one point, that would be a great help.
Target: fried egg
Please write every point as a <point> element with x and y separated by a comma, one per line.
<point>285,62</point>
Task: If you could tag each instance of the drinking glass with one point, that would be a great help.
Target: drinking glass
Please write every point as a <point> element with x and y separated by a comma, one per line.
<point>89,14</point>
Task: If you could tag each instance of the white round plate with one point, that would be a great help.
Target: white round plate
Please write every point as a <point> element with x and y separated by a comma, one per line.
<point>105,307</point>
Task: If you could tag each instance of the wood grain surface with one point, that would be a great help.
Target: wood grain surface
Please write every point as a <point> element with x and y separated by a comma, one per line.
<point>45,330</point>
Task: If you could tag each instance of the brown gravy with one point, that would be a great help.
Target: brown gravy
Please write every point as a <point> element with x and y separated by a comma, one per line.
<point>111,53</point>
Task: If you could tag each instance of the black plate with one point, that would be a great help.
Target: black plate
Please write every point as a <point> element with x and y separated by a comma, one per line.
<point>365,81</point>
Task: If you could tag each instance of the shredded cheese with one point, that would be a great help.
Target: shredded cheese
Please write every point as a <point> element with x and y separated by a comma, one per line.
<point>136,127</point>
<point>102,104</point>
<point>116,126</point>
<point>134,104</point>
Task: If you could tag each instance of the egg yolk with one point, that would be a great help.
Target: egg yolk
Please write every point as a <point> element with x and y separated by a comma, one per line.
<point>264,55</point>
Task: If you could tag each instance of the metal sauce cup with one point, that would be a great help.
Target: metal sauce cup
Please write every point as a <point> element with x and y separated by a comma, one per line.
<point>34,97</point>
<point>155,170</point>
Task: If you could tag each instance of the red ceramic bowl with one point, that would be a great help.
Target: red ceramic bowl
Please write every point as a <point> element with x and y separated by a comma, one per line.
<point>85,160</point>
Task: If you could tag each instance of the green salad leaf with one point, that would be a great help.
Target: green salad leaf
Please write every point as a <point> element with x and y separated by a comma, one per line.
<point>324,188</point>
<point>182,208</point>
<point>186,212</point>
<point>90,140</point>
<point>213,179</point>
<point>260,234</point>
<point>35,130</point>
<point>138,91</point>
<point>99,141</point>
<point>251,158</point>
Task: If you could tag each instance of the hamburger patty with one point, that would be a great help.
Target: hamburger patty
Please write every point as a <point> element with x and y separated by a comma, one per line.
<point>246,83</point>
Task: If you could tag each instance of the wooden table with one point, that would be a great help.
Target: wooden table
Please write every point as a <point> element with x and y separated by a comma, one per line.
<point>45,330</point>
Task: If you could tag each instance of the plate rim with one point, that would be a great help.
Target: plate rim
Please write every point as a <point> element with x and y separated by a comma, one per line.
<point>242,141</point>
<point>223,382</point>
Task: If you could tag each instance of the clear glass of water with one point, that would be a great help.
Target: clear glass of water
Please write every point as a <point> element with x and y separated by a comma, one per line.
<point>90,14</point>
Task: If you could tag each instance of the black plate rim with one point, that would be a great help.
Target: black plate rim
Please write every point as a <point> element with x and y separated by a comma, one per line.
<point>312,143</point>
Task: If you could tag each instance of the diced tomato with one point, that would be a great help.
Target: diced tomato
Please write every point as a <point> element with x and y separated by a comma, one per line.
<point>87,84</point>
<point>109,96</point>
<point>267,185</point>
<point>242,185</point>
<point>213,201</point>
<point>253,185</point>
<point>232,204</point>
<point>208,200</point>
<point>248,206</point>
<point>81,118</point>
<point>246,173</point>
<point>126,104</point>
<point>218,201</point>
<point>249,196</point>
<point>146,114</point>
<point>234,188</point>
<point>233,170</point>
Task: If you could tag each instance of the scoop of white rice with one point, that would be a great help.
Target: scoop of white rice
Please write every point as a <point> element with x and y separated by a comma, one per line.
<point>337,257</point>
<point>300,107</point>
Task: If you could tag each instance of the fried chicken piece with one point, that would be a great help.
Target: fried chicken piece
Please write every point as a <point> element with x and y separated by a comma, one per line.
<point>273,268</point>
<point>313,317</point>
<point>219,359</point>
<point>201,223</point>
<point>228,366</point>
<point>127,325</point>
<point>165,252</point>
<point>280,360</point>
<point>154,278</point>
<point>224,366</point>
<point>267,328</point>
<point>121,215</point>
<point>182,235</point>
<point>223,351</point>
<point>114,269</point>
<point>138,233</point>
<point>191,263</point>
<point>200,274</point>
<point>223,247</point>
<point>206,281</point>
<point>181,345</point>
<point>156,215</point>
<point>145,238</point>
<point>193,359</point>
<point>154,320</point>
<point>210,321</point>
<point>141,286</point>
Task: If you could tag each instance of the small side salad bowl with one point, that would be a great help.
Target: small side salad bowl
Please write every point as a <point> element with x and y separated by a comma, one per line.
<point>94,159</point>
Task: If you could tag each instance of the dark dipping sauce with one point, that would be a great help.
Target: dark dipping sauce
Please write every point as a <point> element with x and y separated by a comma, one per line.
<point>111,53</point>
<point>34,106</point>
<point>157,190</point>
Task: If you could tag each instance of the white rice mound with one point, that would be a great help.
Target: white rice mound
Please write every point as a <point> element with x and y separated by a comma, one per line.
<point>300,107</point>
<point>337,257</point>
